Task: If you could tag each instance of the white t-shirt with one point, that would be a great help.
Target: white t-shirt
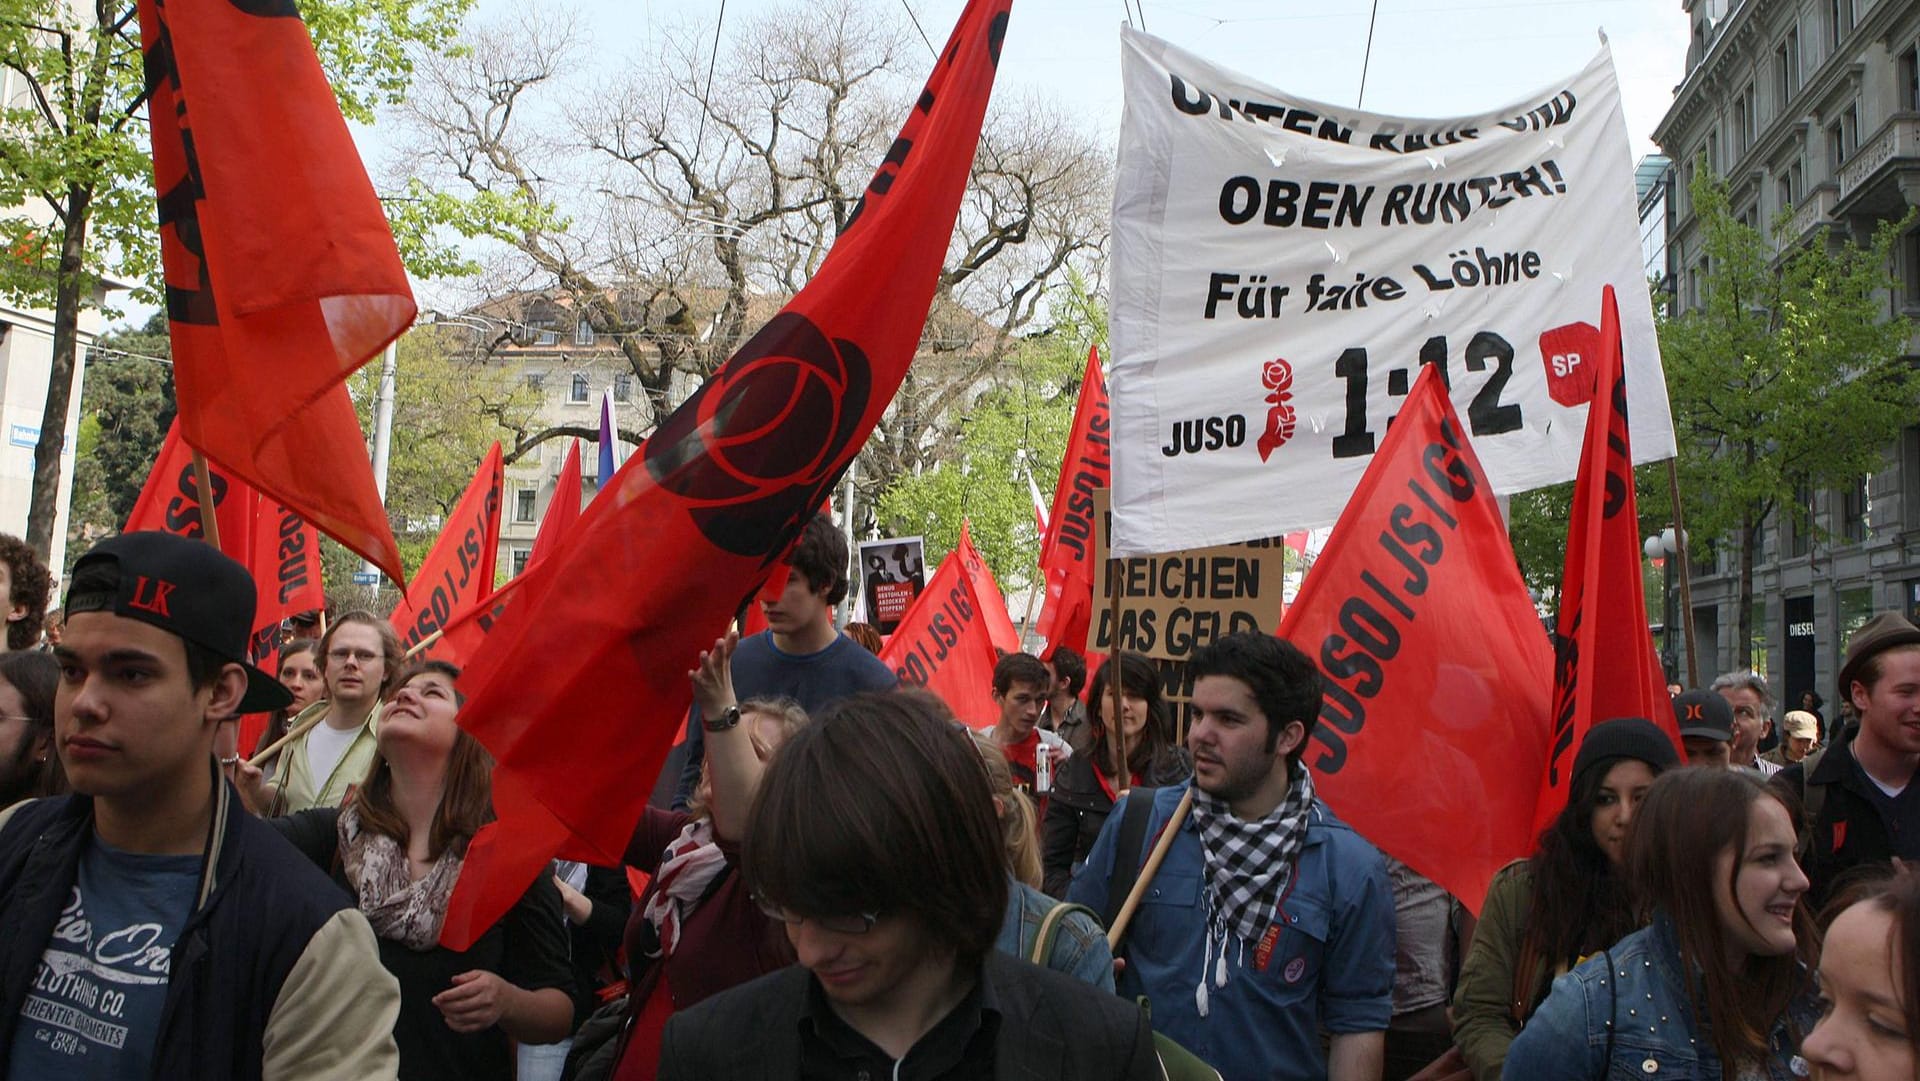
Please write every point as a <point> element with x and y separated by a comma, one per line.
<point>326,745</point>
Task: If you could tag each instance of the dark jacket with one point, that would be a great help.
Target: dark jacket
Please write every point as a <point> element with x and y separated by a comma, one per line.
<point>275,974</point>
<point>1848,830</point>
<point>1078,808</point>
<point>1052,1028</point>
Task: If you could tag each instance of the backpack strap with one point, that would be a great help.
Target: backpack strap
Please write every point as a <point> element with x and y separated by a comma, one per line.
<point>1135,809</point>
<point>1042,947</point>
<point>1813,797</point>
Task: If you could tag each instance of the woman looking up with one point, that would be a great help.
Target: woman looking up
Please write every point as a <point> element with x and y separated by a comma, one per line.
<point>397,846</point>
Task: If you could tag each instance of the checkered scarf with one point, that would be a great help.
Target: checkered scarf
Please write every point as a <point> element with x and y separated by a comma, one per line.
<point>1248,863</point>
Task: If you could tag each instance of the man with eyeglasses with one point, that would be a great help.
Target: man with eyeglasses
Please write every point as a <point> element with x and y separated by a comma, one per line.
<point>1752,704</point>
<point>358,656</point>
<point>874,841</point>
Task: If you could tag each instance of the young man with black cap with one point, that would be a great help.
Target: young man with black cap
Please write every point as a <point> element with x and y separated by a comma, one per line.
<point>153,928</point>
<point>1706,728</point>
<point>1858,797</point>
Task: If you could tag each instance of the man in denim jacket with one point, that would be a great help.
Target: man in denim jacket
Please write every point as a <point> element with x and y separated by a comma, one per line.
<point>1270,919</point>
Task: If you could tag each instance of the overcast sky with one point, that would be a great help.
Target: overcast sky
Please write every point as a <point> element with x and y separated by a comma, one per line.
<point>1430,57</point>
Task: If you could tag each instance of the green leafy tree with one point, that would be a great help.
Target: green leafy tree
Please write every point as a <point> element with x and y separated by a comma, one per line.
<point>75,171</point>
<point>449,406</point>
<point>1790,376</point>
<point>125,407</point>
<point>1019,423</point>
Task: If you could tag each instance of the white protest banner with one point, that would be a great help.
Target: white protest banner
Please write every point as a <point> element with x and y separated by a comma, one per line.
<point>1282,269</point>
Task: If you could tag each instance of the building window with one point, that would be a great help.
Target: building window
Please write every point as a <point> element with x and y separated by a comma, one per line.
<point>1786,68</point>
<point>583,332</point>
<point>1853,511</point>
<point>1744,120</point>
<point>1839,21</point>
<point>520,556</point>
<point>1843,137</point>
<point>578,393</point>
<point>1800,520</point>
<point>1910,79</point>
<point>1855,607</point>
<point>536,380</point>
<point>1712,151</point>
<point>1910,266</point>
<point>623,387</point>
<point>1910,476</point>
<point>523,505</point>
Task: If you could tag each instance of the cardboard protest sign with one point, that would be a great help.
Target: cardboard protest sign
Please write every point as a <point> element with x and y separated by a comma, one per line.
<point>1172,604</point>
<point>893,571</point>
<point>1283,269</point>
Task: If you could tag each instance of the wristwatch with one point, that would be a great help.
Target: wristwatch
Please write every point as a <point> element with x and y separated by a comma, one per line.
<point>727,719</point>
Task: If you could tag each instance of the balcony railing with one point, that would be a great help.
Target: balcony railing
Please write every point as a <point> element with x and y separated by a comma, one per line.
<point>1814,209</point>
<point>1899,138</point>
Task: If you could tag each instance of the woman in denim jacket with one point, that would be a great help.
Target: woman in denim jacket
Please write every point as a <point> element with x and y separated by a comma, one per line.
<point>1716,987</point>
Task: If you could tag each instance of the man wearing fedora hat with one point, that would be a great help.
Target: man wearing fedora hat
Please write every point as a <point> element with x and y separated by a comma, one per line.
<point>1860,803</point>
<point>154,929</point>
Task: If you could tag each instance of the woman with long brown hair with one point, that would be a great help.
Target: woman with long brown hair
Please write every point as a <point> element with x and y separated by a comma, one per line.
<point>1544,914</point>
<point>397,845</point>
<point>1083,794</point>
<point>1717,985</point>
<point>299,672</point>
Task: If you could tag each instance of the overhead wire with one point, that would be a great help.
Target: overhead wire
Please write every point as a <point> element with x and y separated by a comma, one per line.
<point>1367,60</point>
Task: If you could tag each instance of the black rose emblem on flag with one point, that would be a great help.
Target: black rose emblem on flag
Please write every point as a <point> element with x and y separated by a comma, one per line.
<point>758,445</point>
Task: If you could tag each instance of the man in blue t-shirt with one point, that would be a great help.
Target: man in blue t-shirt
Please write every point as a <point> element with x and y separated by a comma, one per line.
<point>153,928</point>
<point>800,655</point>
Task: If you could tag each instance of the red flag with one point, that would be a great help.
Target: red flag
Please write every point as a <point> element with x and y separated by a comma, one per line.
<point>944,642</point>
<point>281,274</point>
<point>992,603</point>
<point>169,502</point>
<point>1604,664</point>
<point>1066,556</point>
<point>1436,664</point>
<point>457,574</point>
<point>699,516</point>
<point>563,510</point>
<point>278,547</point>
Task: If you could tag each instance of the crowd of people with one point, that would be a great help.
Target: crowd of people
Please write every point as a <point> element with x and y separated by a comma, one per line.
<point>844,879</point>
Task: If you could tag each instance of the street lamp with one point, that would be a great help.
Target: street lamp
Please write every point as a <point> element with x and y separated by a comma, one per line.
<point>1659,548</point>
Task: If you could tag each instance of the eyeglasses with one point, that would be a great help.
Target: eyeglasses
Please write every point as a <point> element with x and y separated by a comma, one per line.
<point>364,656</point>
<point>858,923</point>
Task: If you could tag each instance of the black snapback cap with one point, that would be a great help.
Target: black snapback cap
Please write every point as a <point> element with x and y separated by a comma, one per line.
<point>185,587</point>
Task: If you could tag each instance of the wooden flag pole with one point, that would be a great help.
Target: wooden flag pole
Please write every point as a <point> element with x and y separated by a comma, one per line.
<point>293,734</point>
<point>1152,867</point>
<point>203,481</point>
<point>1026,620</point>
<point>1686,579</point>
<point>424,643</point>
<point>1116,732</point>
